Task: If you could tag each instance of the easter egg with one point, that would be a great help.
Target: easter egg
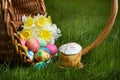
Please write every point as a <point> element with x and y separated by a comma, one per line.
<point>46,49</point>
<point>30,54</point>
<point>42,55</point>
<point>42,42</point>
<point>53,48</point>
<point>33,44</point>
<point>40,65</point>
<point>23,41</point>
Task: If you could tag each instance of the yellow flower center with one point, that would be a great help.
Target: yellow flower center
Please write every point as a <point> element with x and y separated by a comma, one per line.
<point>42,21</point>
<point>45,34</point>
<point>29,21</point>
<point>26,34</point>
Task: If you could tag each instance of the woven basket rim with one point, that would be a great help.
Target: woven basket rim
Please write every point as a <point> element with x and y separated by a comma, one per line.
<point>11,19</point>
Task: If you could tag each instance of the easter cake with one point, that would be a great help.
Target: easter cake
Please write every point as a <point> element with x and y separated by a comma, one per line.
<point>70,55</point>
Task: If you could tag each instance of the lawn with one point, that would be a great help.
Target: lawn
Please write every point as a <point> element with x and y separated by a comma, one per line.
<point>80,21</point>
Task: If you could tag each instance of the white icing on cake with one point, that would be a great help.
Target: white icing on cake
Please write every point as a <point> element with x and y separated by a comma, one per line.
<point>70,48</point>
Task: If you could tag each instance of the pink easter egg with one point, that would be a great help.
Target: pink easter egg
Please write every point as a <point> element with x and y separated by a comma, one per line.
<point>33,44</point>
<point>53,48</point>
<point>23,41</point>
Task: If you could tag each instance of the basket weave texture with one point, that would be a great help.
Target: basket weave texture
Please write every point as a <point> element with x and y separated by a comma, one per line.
<point>11,12</point>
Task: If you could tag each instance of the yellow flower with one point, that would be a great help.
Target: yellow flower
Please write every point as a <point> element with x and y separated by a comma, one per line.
<point>49,20</point>
<point>45,34</point>
<point>26,34</point>
<point>29,21</point>
<point>43,21</point>
<point>40,22</point>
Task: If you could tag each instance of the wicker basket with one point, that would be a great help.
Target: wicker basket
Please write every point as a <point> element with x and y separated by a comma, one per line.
<point>11,12</point>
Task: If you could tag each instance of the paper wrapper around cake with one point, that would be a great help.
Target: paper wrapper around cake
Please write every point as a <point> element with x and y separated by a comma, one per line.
<point>71,59</point>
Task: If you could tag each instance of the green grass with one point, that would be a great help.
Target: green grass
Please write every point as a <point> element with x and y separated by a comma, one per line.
<point>80,21</point>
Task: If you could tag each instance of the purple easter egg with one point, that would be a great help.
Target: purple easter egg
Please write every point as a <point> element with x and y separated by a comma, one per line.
<point>53,48</point>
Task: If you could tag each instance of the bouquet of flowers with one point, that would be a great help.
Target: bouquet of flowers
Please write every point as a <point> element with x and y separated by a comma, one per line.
<point>38,37</point>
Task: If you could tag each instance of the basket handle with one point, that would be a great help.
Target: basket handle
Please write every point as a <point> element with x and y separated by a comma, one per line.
<point>106,30</point>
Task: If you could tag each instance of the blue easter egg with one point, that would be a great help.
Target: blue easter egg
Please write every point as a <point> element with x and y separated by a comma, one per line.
<point>40,65</point>
<point>30,54</point>
<point>45,49</point>
<point>42,42</point>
